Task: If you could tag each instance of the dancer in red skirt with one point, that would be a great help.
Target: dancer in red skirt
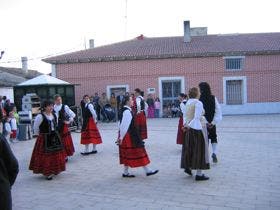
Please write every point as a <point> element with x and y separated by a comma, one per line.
<point>48,157</point>
<point>65,116</point>
<point>182,119</point>
<point>132,151</point>
<point>90,133</point>
<point>140,118</point>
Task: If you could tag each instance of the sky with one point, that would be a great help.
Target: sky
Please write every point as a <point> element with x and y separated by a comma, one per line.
<point>42,28</point>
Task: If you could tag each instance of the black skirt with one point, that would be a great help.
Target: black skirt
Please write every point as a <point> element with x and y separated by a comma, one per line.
<point>193,150</point>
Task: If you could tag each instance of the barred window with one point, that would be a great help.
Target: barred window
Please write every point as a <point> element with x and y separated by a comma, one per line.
<point>234,93</point>
<point>234,63</point>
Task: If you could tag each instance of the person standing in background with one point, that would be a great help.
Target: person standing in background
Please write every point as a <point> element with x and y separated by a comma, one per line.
<point>113,103</point>
<point>157,107</point>
<point>151,106</point>
<point>102,102</point>
<point>96,105</point>
<point>13,123</point>
<point>119,102</point>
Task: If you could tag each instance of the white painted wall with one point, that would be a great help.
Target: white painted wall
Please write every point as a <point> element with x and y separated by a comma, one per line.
<point>7,91</point>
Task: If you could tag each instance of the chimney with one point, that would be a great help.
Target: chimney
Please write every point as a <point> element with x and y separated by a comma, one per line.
<point>91,43</point>
<point>24,64</point>
<point>187,31</point>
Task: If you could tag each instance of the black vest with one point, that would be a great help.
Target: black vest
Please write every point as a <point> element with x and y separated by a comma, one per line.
<point>86,115</point>
<point>62,116</point>
<point>46,125</point>
<point>52,141</point>
<point>209,106</point>
<point>133,131</point>
<point>142,104</point>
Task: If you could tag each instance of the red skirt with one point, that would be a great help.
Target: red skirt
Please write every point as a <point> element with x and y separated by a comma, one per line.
<point>91,134</point>
<point>13,135</point>
<point>180,133</point>
<point>67,140</point>
<point>132,156</point>
<point>141,125</point>
<point>46,163</point>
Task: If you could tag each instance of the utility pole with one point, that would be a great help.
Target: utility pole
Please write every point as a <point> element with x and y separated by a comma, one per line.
<point>125,21</point>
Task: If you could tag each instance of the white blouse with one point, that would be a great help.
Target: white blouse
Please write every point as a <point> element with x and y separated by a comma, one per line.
<point>13,124</point>
<point>195,123</point>
<point>38,120</point>
<point>68,111</point>
<point>218,113</point>
<point>138,103</point>
<point>183,108</point>
<point>126,120</point>
<point>91,109</point>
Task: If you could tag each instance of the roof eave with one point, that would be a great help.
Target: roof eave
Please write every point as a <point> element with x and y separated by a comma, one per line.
<point>164,56</point>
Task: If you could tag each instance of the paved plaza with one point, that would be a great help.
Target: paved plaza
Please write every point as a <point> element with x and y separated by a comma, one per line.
<point>247,175</point>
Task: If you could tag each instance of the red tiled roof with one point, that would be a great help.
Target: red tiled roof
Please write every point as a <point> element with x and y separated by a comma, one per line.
<point>170,47</point>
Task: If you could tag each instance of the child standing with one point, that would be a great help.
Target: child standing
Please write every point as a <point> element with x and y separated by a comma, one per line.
<point>13,123</point>
<point>157,107</point>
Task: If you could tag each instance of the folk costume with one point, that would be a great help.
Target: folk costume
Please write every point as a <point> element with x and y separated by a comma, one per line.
<point>140,118</point>
<point>195,153</point>
<point>213,115</point>
<point>182,122</point>
<point>48,157</point>
<point>132,152</point>
<point>65,114</point>
<point>90,133</point>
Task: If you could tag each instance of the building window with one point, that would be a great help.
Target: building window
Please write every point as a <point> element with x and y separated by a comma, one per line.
<point>234,92</point>
<point>117,89</point>
<point>170,92</point>
<point>234,63</point>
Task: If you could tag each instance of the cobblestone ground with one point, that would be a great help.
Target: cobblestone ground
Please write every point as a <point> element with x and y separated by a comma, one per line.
<point>246,176</point>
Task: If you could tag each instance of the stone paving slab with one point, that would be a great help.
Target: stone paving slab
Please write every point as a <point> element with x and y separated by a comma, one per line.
<point>246,176</point>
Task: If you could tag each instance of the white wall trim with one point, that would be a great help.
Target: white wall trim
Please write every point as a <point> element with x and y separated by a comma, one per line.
<point>53,70</point>
<point>175,78</point>
<point>252,108</point>
<point>244,88</point>
<point>108,92</point>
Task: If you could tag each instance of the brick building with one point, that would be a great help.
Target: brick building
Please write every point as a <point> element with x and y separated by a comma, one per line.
<point>242,69</point>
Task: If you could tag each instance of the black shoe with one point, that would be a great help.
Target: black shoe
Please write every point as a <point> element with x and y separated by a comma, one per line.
<point>49,178</point>
<point>93,152</point>
<point>201,178</point>
<point>214,157</point>
<point>85,153</point>
<point>151,173</point>
<point>128,175</point>
<point>188,171</point>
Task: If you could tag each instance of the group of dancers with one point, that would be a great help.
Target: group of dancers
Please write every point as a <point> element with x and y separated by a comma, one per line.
<point>54,142</point>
